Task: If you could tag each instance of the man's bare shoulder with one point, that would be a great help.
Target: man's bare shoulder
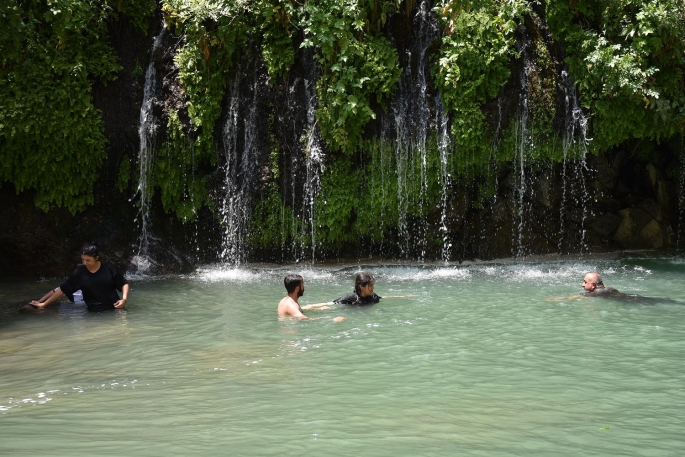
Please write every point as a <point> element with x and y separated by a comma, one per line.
<point>288,307</point>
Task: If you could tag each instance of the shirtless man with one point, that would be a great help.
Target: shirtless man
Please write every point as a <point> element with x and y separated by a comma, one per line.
<point>289,306</point>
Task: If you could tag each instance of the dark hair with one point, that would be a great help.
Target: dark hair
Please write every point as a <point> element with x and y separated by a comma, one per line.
<point>291,282</point>
<point>90,249</point>
<point>363,279</point>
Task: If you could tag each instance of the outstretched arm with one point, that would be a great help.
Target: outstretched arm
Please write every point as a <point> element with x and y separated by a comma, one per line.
<point>572,297</point>
<point>325,305</point>
<point>44,297</point>
<point>52,298</point>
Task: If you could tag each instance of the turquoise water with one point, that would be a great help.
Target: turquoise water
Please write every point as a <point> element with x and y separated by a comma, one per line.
<point>483,360</point>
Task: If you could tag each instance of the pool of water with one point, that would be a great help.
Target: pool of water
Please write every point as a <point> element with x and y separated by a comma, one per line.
<point>483,360</point>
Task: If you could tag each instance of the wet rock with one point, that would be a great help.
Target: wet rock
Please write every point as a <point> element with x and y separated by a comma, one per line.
<point>651,235</point>
<point>638,229</point>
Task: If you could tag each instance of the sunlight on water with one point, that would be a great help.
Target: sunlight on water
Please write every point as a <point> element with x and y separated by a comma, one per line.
<point>484,359</point>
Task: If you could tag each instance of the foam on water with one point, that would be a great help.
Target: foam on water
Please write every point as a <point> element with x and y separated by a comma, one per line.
<point>217,274</point>
<point>422,274</point>
<point>307,273</point>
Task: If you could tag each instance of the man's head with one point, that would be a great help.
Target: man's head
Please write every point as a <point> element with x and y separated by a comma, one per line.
<point>592,281</point>
<point>292,282</point>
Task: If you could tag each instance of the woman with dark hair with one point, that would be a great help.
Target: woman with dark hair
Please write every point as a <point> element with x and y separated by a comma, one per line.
<point>363,292</point>
<point>98,280</point>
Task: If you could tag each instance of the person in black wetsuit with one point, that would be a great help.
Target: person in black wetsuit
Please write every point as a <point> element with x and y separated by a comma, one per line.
<point>363,292</point>
<point>98,280</point>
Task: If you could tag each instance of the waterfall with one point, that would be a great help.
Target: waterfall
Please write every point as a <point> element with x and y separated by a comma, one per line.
<point>445,177</point>
<point>147,134</point>
<point>681,195</point>
<point>410,115</point>
<point>574,149</point>
<point>524,143</point>
<point>241,156</point>
<point>313,161</point>
<point>380,167</point>
<point>292,102</point>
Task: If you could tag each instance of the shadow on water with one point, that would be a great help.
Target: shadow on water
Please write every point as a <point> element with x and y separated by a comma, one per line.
<point>632,299</point>
<point>16,312</point>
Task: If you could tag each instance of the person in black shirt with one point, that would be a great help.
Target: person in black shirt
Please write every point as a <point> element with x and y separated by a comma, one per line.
<point>98,280</point>
<point>363,292</point>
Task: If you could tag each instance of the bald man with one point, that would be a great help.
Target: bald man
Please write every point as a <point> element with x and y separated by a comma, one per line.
<point>594,287</point>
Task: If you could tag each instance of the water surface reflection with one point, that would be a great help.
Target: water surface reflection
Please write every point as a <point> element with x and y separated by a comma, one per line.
<point>477,362</point>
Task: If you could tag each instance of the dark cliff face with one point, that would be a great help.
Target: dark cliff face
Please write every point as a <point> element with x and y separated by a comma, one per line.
<point>614,200</point>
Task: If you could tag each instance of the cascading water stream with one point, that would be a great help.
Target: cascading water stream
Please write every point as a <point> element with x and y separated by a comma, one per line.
<point>293,100</point>
<point>230,210</point>
<point>383,167</point>
<point>524,143</point>
<point>681,195</point>
<point>147,134</point>
<point>313,162</point>
<point>240,169</point>
<point>574,148</point>
<point>411,114</point>
<point>445,176</point>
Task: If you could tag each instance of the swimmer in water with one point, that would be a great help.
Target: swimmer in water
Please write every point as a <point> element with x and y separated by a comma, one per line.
<point>289,306</point>
<point>363,292</point>
<point>594,287</point>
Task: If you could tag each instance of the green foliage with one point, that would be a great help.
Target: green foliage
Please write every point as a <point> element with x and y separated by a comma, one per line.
<point>337,204</point>
<point>183,188</point>
<point>473,63</point>
<point>627,59</point>
<point>124,174</point>
<point>138,12</point>
<point>354,65</point>
<point>213,32</point>
<point>625,56</point>
<point>279,24</point>
<point>51,135</point>
<point>377,212</point>
<point>273,223</point>
<point>356,62</point>
<point>362,201</point>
